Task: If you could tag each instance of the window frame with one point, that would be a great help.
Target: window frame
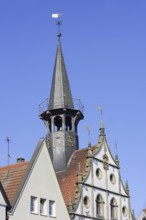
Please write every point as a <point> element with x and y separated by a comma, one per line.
<point>86,202</point>
<point>34,205</point>
<point>52,208</point>
<point>114,209</point>
<point>99,206</point>
<point>43,207</point>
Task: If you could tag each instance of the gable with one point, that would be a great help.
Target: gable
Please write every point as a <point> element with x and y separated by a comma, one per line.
<point>39,182</point>
<point>104,153</point>
<point>2,197</point>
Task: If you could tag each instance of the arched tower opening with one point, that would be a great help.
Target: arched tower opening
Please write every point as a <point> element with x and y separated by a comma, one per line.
<point>57,123</point>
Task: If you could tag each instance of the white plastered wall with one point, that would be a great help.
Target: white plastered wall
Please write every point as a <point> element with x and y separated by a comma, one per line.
<point>2,207</point>
<point>103,186</point>
<point>41,183</point>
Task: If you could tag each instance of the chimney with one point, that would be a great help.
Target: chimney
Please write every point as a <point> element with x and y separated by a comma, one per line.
<point>20,160</point>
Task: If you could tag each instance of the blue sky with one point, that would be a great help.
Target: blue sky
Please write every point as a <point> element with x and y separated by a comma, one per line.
<point>104,46</point>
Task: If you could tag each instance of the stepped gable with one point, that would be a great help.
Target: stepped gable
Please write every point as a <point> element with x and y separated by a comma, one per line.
<point>11,177</point>
<point>68,179</point>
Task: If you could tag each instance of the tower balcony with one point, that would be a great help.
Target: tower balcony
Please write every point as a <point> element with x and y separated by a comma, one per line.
<point>43,106</point>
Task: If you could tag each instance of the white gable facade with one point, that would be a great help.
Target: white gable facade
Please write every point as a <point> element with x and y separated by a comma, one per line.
<point>102,193</point>
<point>39,196</point>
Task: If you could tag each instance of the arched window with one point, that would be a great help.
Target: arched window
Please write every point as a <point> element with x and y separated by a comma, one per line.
<point>57,123</point>
<point>99,205</point>
<point>113,209</point>
<point>68,123</point>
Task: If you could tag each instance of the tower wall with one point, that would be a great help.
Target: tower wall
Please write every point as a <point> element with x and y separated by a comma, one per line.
<point>61,146</point>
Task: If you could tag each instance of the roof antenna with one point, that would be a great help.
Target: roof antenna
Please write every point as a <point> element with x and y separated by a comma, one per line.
<point>89,141</point>
<point>8,142</point>
<point>58,21</point>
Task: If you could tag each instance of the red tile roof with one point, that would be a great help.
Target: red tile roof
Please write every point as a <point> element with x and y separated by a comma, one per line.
<point>11,177</point>
<point>68,179</point>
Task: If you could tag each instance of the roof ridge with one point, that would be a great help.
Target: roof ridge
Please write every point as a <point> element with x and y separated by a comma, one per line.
<point>86,148</point>
<point>14,165</point>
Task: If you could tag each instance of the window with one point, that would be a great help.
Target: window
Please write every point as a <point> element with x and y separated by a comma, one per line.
<point>99,173</point>
<point>99,206</point>
<point>52,208</point>
<point>58,123</point>
<point>113,209</point>
<point>87,202</point>
<point>68,123</point>
<point>124,210</point>
<point>43,206</point>
<point>112,178</point>
<point>33,204</point>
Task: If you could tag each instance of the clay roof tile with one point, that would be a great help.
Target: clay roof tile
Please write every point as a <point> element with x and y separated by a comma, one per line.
<point>68,179</point>
<point>11,177</point>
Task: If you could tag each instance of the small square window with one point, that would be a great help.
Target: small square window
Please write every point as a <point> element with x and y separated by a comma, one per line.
<point>43,206</point>
<point>33,204</point>
<point>52,208</point>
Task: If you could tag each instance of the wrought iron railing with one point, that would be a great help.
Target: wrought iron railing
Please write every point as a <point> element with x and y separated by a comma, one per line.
<point>43,106</point>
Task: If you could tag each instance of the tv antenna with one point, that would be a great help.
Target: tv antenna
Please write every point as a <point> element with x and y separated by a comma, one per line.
<point>8,153</point>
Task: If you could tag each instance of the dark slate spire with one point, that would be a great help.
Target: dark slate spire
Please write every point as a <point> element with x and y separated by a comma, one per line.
<point>60,117</point>
<point>60,96</point>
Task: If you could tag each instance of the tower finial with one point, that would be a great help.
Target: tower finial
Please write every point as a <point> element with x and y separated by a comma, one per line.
<point>116,156</point>
<point>127,188</point>
<point>100,109</point>
<point>58,21</point>
<point>89,141</point>
<point>133,215</point>
<point>101,122</point>
<point>116,147</point>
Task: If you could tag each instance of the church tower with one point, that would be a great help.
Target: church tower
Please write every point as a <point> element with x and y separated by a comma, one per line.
<point>61,116</point>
